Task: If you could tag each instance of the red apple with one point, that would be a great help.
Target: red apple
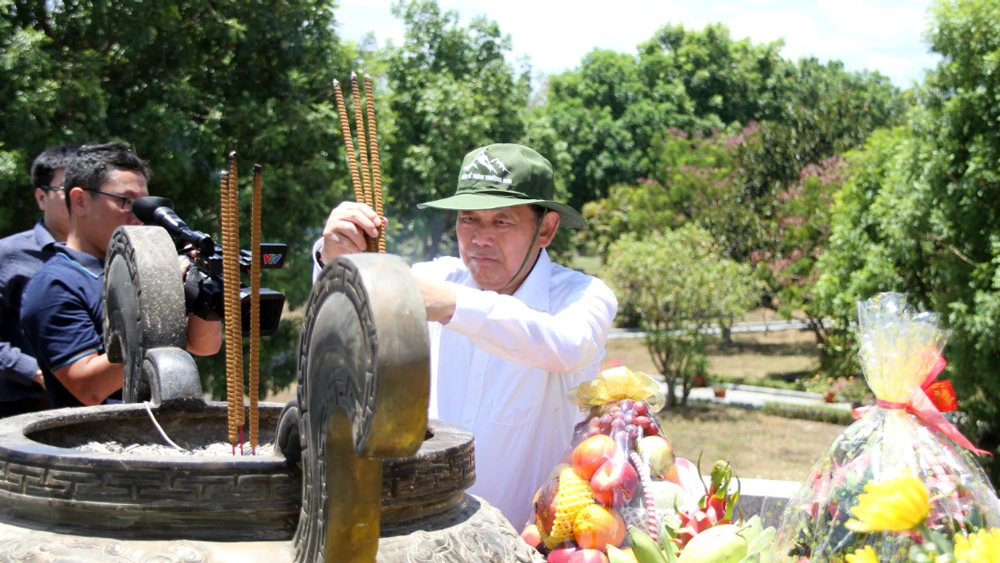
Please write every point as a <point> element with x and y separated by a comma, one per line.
<point>531,536</point>
<point>587,556</point>
<point>561,555</point>
<point>591,454</point>
<point>545,506</point>
<point>615,483</point>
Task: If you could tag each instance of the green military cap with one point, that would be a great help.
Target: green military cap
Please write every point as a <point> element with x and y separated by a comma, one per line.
<point>505,175</point>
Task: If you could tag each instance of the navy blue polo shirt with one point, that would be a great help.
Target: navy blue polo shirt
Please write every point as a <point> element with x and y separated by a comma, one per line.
<point>62,316</point>
<point>20,257</point>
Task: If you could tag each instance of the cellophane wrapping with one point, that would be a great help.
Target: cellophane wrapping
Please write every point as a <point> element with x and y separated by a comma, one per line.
<point>900,352</point>
<point>620,471</point>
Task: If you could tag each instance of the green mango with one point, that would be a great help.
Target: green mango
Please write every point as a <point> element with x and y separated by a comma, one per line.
<point>718,544</point>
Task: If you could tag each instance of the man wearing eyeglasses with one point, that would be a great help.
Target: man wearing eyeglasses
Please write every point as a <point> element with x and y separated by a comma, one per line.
<point>21,383</point>
<point>62,310</point>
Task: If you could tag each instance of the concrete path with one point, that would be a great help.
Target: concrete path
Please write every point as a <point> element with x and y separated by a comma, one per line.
<point>755,326</point>
<point>756,397</point>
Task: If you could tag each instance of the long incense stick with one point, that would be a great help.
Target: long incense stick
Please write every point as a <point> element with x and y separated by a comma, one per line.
<point>231,295</point>
<point>255,307</point>
<point>362,141</point>
<point>363,151</point>
<point>345,130</point>
<point>224,216</point>
<point>376,168</point>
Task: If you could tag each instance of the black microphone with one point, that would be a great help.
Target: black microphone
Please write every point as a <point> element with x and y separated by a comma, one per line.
<point>152,210</point>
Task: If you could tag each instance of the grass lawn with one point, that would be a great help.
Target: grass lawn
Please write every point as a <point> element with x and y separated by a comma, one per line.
<point>754,354</point>
<point>758,446</point>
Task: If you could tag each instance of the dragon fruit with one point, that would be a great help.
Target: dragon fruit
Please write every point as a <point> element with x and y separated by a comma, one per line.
<point>714,508</point>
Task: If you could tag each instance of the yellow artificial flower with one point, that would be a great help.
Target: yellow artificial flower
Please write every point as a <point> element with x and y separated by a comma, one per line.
<point>866,555</point>
<point>981,547</point>
<point>896,505</point>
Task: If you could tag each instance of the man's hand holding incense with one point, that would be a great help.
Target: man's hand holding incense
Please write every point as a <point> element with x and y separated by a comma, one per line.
<point>346,228</point>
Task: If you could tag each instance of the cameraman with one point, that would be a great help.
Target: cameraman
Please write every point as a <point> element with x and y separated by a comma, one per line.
<point>62,310</point>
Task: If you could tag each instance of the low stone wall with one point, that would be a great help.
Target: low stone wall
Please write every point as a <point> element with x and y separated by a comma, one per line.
<point>766,498</point>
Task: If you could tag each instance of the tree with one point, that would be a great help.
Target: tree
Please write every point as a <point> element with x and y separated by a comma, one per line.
<point>920,214</point>
<point>610,113</point>
<point>451,90</point>
<point>680,284</point>
<point>732,80</point>
<point>692,180</point>
<point>865,238</point>
<point>800,236</point>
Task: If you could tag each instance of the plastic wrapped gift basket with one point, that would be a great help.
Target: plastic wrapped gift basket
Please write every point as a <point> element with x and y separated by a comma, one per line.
<point>904,433</point>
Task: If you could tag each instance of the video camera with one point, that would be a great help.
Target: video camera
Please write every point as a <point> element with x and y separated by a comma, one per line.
<point>203,284</point>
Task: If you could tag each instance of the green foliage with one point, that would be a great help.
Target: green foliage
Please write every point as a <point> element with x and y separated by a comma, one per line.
<point>692,177</point>
<point>610,112</point>
<point>680,284</point>
<point>615,108</point>
<point>732,80</point>
<point>919,214</point>
<point>451,90</point>
<point>183,83</point>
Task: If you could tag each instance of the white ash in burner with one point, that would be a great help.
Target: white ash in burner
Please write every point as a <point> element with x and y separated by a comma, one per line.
<point>217,449</point>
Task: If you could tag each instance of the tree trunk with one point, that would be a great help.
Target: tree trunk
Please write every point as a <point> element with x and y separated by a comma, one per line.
<point>817,328</point>
<point>727,335</point>
<point>671,397</point>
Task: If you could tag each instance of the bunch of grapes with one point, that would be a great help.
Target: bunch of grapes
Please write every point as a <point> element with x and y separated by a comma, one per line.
<point>628,416</point>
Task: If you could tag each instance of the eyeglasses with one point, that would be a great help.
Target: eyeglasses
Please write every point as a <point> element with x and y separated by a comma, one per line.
<point>50,188</point>
<point>125,202</point>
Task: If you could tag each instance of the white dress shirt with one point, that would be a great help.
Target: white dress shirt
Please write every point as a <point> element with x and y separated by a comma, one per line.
<point>503,365</point>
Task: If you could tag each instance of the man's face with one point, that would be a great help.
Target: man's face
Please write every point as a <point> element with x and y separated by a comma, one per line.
<point>97,215</point>
<point>52,202</point>
<point>493,244</point>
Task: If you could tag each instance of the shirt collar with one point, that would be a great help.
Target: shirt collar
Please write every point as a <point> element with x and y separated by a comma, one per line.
<point>534,290</point>
<point>93,264</point>
<point>42,236</point>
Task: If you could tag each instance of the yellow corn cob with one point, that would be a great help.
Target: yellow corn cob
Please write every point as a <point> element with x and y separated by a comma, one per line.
<point>574,495</point>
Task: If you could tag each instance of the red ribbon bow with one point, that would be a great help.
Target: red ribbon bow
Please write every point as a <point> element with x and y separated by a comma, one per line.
<point>928,401</point>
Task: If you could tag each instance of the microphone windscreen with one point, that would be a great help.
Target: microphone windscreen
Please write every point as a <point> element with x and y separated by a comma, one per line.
<point>144,207</point>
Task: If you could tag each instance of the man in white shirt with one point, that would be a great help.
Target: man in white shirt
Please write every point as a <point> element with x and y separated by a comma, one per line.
<point>511,333</point>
